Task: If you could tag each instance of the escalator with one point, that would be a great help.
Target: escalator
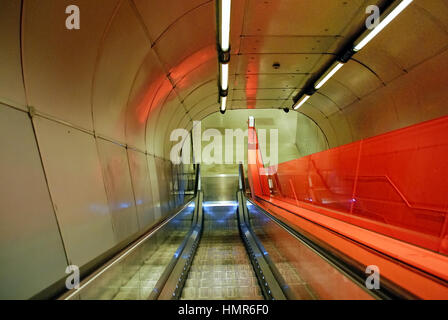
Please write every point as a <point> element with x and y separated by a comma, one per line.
<point>221,245</point>
<point>221,268</point>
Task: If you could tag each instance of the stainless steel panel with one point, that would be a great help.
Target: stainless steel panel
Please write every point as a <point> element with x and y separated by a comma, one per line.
<point>144,90</point>
<point>154,187</point>
<point>173,124</point>
<point>114,162</point>
<point>60,63</point>
<point>206,101</point>
<point>31,251</point>
<point>289,63</point>
<point>164,95</point>
<point>178,45</point>
<point>324,104</point>
<point>269,81</point>
<point>124,49</point>
<point>426,36</point>
<point>309,137</point>
<point>257,104</point>
<point>219,182</point>
<point>338,121</point>
<point>292,17</point>
<point>286,44</point>
<point>201,92</point>
<point>165,186</point>
<point>198,70</point>
<point>360,81</point>
<point>159,15</point>
<point>171,106</point>
<point>279,94</point>
<point>12,91</point>
<point>142,188</point>
<point>340,94</point>
<point>74,175</point>
<point>382,64</point>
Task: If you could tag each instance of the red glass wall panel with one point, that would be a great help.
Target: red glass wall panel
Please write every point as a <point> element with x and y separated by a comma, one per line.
<point>394,184</point>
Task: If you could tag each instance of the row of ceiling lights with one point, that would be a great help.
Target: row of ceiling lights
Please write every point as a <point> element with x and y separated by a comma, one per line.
<point>390,14</point>
<point>223,21</point>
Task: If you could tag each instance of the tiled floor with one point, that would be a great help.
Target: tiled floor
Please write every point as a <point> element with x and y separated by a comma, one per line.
<point>221,268</point>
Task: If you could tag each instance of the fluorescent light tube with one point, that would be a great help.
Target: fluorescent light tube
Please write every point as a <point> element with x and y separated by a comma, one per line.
<point>225,24</point>
<point>223,103</point>
<point>224,76</point>
<point>369,35</point>
<point>327,75</point>
<point>251,122</point>
<point>301,102</point>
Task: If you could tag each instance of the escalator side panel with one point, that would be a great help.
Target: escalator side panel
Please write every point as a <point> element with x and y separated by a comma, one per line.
<point>133,274</point>
<point>308,274</point>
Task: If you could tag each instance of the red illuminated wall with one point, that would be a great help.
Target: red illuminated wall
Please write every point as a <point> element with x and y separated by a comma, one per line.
<point>394,184</point>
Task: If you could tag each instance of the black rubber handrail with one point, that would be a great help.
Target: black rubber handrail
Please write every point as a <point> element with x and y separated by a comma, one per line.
<point>175,281</point>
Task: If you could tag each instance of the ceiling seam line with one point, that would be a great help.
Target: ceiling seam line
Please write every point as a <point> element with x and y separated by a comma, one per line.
<point>369,69</point>
<point>177,19</point>
<point>22,50</point>
<point>98,58</point>
<point>198,87</point>
<point>324,95</point>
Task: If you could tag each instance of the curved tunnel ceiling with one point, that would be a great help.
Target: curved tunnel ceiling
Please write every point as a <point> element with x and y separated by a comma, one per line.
<point>137,69</point>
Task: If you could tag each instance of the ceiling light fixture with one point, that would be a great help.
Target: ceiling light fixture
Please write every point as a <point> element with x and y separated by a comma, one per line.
<point>391,13</point>
<point>301,101</point>
<point>224,39</point>
<point>223,105</point>
<point>224,76</point>
<point>223,9</point>
<point>327,75</point>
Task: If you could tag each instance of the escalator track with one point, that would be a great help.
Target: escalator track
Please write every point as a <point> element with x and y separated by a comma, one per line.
<point>221,268</point>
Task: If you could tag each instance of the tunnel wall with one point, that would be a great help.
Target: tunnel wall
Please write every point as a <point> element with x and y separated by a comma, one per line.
<point>309,137</point>
<point>417,96</point>
<point>69,197</point>
<point>78,181</point>
<point>398,80</point>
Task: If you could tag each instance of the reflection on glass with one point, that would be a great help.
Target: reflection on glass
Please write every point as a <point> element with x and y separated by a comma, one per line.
<point>134,276</point>
<point>306,273</point>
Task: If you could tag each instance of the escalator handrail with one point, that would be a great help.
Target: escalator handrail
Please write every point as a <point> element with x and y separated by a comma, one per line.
<point>276,273</point>
<point>173,285</point>
<point>269,284</point>
<point>135,244</point>
<point>185,245</point>
<point>121,255</point>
